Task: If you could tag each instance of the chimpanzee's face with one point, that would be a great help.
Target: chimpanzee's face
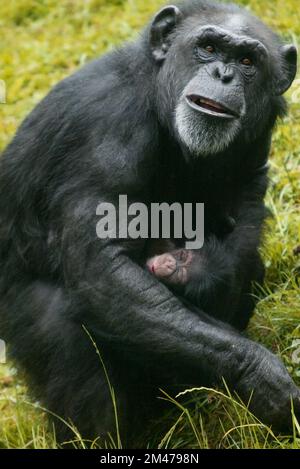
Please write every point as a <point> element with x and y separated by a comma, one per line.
<point>222,95</point>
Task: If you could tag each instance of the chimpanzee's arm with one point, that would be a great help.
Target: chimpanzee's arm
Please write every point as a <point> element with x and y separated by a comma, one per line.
<point>135,312</point>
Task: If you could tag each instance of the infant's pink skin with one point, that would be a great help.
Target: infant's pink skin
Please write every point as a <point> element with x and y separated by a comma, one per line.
<point>171,267</point>
<point>162,266</point>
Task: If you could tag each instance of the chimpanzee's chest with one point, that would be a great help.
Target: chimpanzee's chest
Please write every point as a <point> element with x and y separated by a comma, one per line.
<point>216,186</point>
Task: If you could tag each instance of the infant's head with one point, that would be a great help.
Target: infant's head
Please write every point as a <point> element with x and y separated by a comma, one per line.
<point>174,267</point>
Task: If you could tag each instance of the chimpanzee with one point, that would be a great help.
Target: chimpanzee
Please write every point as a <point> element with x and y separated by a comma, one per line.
<point>185,113</point>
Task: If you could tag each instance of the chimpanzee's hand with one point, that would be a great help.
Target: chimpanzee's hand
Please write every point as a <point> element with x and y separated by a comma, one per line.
<point>273,389</point>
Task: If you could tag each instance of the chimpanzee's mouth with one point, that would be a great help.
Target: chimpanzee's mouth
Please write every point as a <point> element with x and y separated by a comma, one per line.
<point>208,106</point>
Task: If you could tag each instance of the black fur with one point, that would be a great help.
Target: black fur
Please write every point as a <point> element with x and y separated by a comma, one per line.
<point>109,130</point>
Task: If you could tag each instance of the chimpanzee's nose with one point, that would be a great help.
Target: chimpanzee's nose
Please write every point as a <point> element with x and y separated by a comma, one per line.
<point>223,72</point>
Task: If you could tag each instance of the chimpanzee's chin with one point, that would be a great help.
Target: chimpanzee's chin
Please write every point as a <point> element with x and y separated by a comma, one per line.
<point>202,133</point>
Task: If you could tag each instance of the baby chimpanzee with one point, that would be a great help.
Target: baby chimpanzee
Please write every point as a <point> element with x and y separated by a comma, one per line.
<point>185,272</point>
<point>176,266</point>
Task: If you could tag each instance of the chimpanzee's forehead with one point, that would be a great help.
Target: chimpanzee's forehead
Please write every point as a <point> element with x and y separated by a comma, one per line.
<point>246,25</point>
<point>235,23</point>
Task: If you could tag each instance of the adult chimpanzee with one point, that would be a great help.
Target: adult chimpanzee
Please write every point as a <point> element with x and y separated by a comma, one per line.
<point>185,113</point>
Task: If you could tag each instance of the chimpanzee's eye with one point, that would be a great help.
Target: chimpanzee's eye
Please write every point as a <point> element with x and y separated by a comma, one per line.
<point>246,61</point>
<point>210,48</point>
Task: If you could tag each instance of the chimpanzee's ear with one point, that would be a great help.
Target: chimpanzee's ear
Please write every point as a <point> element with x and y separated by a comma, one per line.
<point>288,69</point>
<point>163,23</point>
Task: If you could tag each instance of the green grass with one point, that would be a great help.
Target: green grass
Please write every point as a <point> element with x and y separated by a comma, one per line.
<point>42,41</point>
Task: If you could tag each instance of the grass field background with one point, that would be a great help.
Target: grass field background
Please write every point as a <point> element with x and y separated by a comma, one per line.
<point>43,41</point>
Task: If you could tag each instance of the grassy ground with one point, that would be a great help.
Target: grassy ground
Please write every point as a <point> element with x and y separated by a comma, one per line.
<point>42,41</point>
